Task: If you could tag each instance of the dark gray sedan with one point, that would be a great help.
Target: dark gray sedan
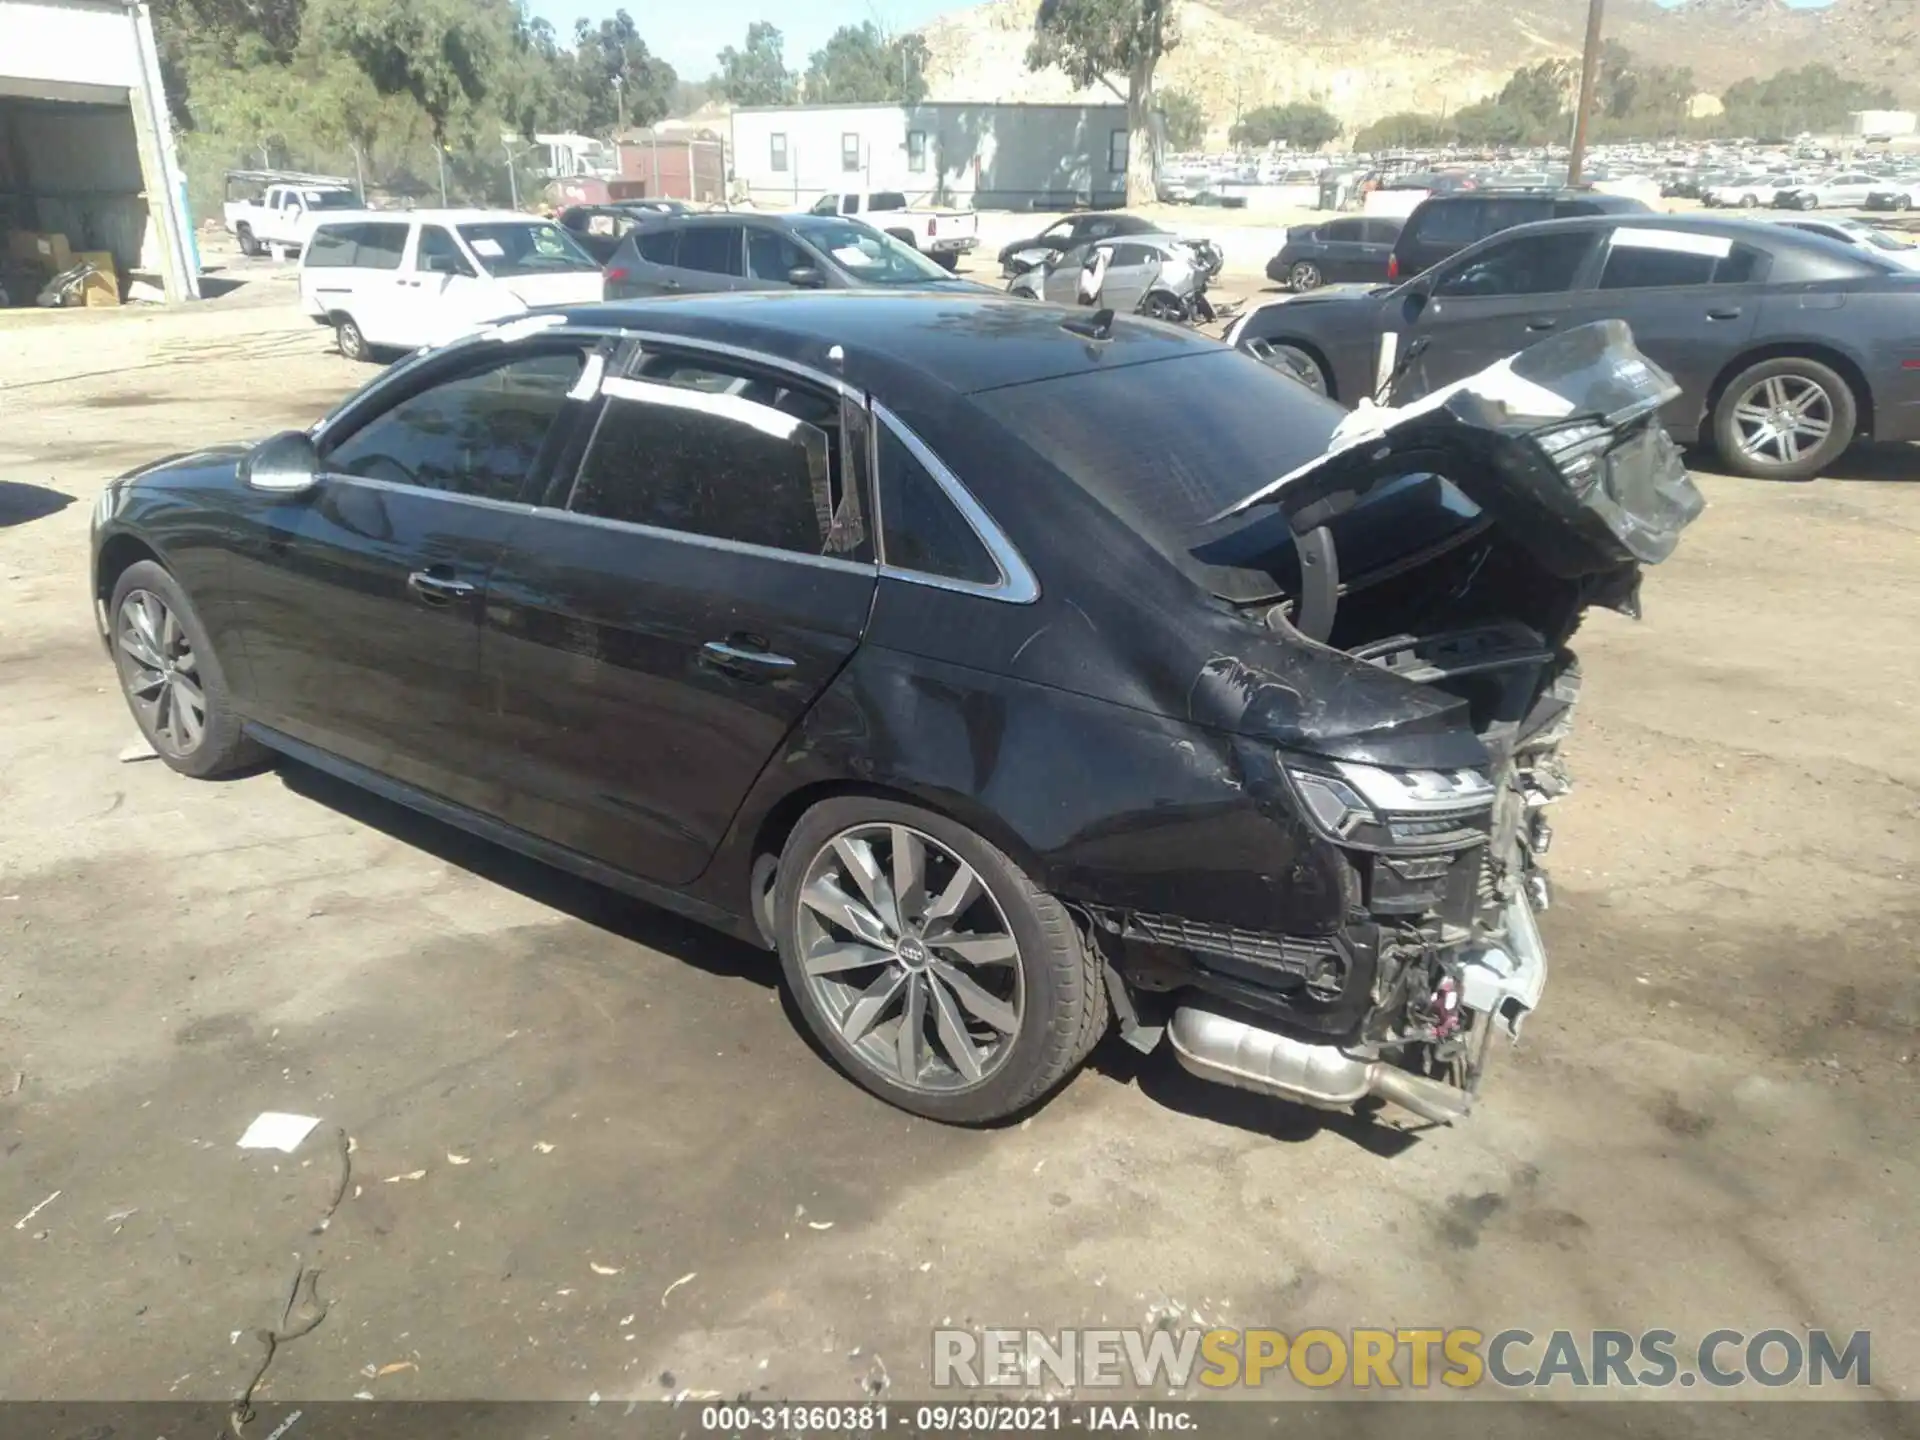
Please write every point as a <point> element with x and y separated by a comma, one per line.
<point>1787,346</point>
<point>692,254</point>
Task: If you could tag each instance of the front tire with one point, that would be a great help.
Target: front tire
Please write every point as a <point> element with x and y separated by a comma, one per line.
<point>948,260</point>
<point>1784,419</point>
<point>1902,202</point>
<point>172,679</point>
<point>1292,361</point>
<point>1808,202</point>
<point>1749,202</point>
<point>928,965</point>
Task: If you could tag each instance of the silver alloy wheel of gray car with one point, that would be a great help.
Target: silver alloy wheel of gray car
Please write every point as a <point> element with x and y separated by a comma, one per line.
<point>1305,275</point>
<point>1292,361</point>
<point>910,957</point>
<point>162,675</point>
<point>1782,419</point>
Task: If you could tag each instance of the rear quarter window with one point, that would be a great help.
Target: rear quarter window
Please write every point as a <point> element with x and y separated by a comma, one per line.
<point>1448,224</point>
<point>886,200</point>
<point>360,247</point>
<point>330,248</point>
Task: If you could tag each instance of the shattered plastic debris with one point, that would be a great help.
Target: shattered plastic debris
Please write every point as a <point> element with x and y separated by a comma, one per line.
<point>395,1368</point>
<point>137,751</point>
<point>819,1224</point>
<point>543,1147</point>
<point>600,1269</point>
<point>277,1130</point>
<point>453,1159</point>
<point>363,1394</point>
<point>628,1320</point>
<point>666,1292</point>
<point>410,1175</point>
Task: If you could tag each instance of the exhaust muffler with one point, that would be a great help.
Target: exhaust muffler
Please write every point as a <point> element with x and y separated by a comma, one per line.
<point>1232,1052</point>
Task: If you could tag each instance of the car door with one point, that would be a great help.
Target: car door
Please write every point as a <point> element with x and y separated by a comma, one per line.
<point>1131,271</point>
<point>1377,239</point>
<point>1062,285</point>
<point>359,599</point>
<point>1339,244</point>
<point>1692,302</point>
<point>644,263</point>
<point>712,258</point>
<point>698,579</point>
<point>1492,302</point>
<point>450,295</point>
<point>1850,189</point>
<point>374,288</point>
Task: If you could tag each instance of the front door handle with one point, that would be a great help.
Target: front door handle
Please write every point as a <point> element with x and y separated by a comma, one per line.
<point>1725,312</point>
<point>726,654</point>
<point>438,589</point>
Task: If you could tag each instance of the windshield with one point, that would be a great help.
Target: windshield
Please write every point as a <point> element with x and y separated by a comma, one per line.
<point>532,247</point>
<point>872,258</point>
<point>1169,444</point>
<point>1885,239</point>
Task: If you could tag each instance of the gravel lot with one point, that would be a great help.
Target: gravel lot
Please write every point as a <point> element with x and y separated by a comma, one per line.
<point>562,1103</point>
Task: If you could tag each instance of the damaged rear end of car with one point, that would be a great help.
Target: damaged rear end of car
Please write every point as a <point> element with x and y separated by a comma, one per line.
<point>1397,681</point>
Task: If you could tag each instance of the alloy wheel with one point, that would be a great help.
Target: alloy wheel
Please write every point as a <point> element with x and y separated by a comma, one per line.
<point>161,672</point>
<point>1306,275</point>
<point>910,958</point>
<point>1782,419</point>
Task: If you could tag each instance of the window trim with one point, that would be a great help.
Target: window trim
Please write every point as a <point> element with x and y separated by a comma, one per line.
<point>777,151</point>
<point>1016,585</point>
<point>845,136</point>
<point>917,156</point>
<point>1126,149</point>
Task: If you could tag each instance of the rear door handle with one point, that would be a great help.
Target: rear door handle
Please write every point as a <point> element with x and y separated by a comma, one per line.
<point>1542,322</point>
<point>1724,313</point>
<point>726,654</point>
<point>438,589</point>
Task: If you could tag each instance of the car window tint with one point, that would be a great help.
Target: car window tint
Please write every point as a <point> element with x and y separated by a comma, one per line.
<point>1132,255</point>
<point>919,527</point>
<point>1744,266</point>
<point>1638,267</point>
<point>656,246</point>
<point>1498,215</point>
<point>771,255</point>
<point>379,247</point>
<point>729,455</point>
<point>479,434</point>
<point>1451,224</point>
<point>1382,232</point>
<point>1531,265</point>
<point>331,247</point>
<point>886,200</point>
<point>714,249</point>
<point>1341,230</point>
<point>439,254</point>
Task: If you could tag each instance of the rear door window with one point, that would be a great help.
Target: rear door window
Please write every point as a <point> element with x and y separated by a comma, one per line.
<point>1342,231</point>
<point>713,249</point>
<point>1660,259</point>
<point>330,248</point>
<point>379,247</point>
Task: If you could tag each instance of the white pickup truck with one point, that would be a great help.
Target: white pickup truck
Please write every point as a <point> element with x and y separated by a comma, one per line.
<point>277,209</point>
<point>941,235</point>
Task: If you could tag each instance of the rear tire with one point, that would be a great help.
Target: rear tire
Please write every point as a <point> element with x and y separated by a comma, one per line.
<point>1304,276</point>
<point>1784,419</point>
<point>1030,998</point>
<point>171,678</point>
<point>1902,202</point>
<point>249,246</point>
<point>353,344</point>
<point>1808,202</point>
<point>1749,202</point>
<point>947,260</point>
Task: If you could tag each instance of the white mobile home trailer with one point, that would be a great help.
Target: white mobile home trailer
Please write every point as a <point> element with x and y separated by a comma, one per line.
<point>992,156</point>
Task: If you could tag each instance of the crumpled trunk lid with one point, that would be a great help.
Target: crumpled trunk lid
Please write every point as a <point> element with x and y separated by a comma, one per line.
<point>1560,446</point>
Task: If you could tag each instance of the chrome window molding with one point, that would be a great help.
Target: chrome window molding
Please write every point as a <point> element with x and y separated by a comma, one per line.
<point>798,369</point>
<point>709,542</point>
<point>1016,585</point>
<point>485,502</point>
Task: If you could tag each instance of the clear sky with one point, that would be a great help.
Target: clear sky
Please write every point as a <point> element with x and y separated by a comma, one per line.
<point>690,33</point>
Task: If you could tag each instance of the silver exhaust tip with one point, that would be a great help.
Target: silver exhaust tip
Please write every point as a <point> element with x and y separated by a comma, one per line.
<point>1232,1052</point>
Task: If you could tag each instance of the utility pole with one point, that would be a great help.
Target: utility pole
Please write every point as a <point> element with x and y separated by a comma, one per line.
<point>620,104</point>
<point>513,185</point>
<point>1583,109</point>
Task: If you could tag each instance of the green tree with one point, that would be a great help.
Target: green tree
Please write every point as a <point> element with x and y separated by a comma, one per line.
<point>758,74</point>
<point>862,64</point>
<point>1095,40</point>
<point>1302,125</point>
<point>1404,131</point>
<point>1813,97</point>
<point>614,70</point>
<point>1186,122</point>
<point>1542,93</point>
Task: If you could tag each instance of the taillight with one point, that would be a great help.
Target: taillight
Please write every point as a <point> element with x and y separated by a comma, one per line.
<point>1393,267</point>
<point>616,272</point>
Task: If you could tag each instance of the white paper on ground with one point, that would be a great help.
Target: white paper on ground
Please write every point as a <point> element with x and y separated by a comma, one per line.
<point>275,1130</point>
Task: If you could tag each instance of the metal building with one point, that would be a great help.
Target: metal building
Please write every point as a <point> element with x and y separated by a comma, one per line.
<point>991,155</point>
<point>86,146</point>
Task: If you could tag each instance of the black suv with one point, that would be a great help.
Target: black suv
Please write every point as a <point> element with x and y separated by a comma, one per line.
<point>1444,225</point>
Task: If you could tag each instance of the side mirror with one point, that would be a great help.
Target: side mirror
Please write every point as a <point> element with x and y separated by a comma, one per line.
<point>287,464</point>
<point>1415,303</point>
<point>806,277</point>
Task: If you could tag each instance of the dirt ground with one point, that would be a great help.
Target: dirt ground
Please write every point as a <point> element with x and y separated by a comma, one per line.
<point>592,1153</point>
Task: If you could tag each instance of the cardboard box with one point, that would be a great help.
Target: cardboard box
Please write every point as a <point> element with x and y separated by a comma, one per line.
<point>45,251</point>
<point>103,288</point>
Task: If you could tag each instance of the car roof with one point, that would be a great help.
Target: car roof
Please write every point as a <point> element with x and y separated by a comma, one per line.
<point>1487,193</point>
<point>434,217</point>
<point>961,342</point>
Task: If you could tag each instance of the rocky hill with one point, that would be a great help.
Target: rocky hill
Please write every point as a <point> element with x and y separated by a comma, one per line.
<point>1366,58</point>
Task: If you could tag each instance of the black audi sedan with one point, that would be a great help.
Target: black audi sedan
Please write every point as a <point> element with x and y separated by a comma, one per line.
<point>960,648</point>
<point>1787,346</point>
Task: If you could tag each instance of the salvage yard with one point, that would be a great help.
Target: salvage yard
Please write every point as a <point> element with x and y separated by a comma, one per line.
<point>591,1152</point>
